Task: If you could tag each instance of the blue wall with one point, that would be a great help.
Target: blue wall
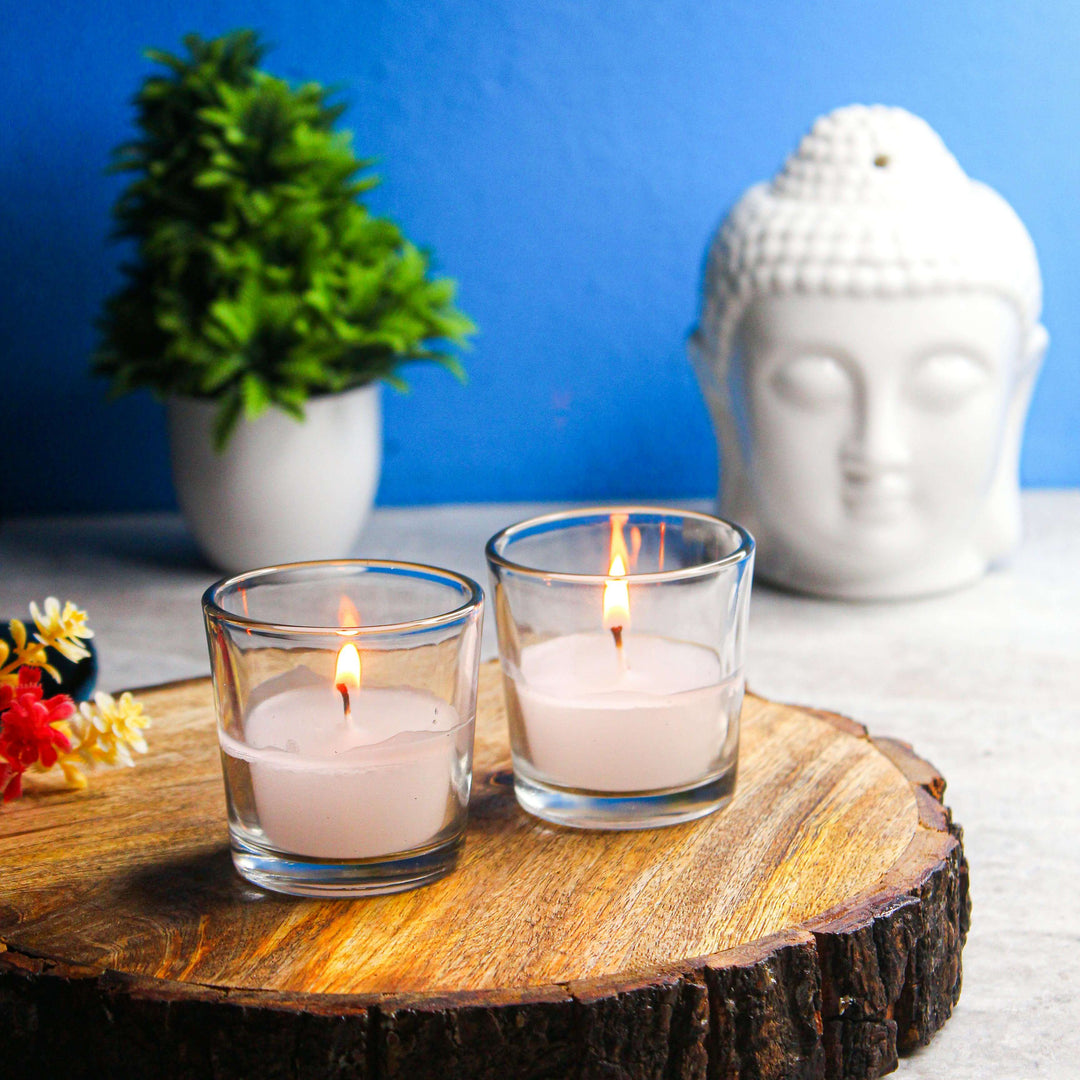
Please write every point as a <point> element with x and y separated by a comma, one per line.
<point>567,160</point>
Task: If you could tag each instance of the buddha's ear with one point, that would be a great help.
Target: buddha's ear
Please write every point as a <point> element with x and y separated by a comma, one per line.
<point>712,377</point>
<point>697,348</point>
<point>999,532</point>
<point>1037,342</point>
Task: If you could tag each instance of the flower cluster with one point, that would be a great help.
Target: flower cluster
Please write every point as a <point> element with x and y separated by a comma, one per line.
<point>37,732</point>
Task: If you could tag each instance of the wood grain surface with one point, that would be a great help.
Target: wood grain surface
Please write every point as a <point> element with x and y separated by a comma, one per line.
<point>810,929</point>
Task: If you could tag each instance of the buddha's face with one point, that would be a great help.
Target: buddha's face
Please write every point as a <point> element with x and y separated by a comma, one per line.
<point>873,426</point>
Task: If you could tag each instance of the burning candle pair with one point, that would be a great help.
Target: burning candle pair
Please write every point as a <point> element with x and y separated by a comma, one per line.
<point>348,762</point>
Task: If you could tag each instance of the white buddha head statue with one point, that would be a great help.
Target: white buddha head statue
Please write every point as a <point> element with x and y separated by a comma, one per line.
<point>868,342</point>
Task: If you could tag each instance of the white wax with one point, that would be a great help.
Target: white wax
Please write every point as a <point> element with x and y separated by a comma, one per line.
<point>658,721</point>
<point>327,789</point>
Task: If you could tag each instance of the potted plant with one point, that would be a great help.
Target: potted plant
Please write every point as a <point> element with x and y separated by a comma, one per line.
<point>262,294</point>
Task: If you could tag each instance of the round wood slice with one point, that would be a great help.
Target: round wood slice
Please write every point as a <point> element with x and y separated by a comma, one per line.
<point>811,929</point>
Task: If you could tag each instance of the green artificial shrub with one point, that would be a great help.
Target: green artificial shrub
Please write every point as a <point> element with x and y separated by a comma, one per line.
<point>259,278</point>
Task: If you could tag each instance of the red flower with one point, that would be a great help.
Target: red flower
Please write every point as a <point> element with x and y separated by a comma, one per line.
<point>10,781</point>
<point>26,732</point>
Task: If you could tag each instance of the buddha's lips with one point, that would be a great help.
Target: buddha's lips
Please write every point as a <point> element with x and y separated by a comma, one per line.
<point>878,501</point>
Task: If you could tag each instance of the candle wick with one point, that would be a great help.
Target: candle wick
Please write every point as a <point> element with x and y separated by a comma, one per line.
<point>616,633</point>
<point>343,690</point>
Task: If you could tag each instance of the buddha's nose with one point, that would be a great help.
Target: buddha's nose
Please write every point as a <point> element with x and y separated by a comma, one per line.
<point>879,443</point>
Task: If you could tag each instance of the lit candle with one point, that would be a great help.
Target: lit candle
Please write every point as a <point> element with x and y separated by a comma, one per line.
<point>340,771</point>
<point>616,711</point>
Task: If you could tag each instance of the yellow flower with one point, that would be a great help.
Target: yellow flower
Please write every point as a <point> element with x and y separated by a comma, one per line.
<point>64,629</point>
<point>73,774</point>
<point>26,652</point>
<point>109,729</point>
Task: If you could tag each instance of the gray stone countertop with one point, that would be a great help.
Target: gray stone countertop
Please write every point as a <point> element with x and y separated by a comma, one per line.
<point>984,682</point>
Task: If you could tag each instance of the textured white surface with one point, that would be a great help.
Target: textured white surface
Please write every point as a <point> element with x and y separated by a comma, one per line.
<point>984,682</point>
<point>871,203</point>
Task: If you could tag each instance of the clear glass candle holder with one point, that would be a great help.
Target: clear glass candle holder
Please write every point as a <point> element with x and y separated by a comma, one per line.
<point>346,699</point>
<point>621,637</point>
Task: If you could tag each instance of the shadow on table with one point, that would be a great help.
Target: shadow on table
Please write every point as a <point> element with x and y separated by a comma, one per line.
<point>201,883</point>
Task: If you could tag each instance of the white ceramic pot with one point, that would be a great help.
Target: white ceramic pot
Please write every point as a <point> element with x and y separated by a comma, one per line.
<point>283,490</point>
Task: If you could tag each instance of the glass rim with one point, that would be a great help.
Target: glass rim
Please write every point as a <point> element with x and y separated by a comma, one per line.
<point>741,553</point>
<point>212,609</point>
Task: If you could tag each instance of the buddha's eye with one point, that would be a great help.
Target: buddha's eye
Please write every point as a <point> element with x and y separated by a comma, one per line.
<point>814,382</point>
<point>946,380</point>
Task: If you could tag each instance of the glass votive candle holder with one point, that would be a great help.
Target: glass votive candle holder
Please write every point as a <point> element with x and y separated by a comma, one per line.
<point>346,699</point>
<point>621,637</point>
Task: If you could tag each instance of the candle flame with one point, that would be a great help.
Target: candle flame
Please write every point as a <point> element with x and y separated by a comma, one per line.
<point>348,616</point>
<point>347,672</point>
<point>616,597</point>
<point>616,591</point>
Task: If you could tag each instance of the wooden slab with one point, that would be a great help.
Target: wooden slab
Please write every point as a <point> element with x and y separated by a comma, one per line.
<point>811,929</point>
